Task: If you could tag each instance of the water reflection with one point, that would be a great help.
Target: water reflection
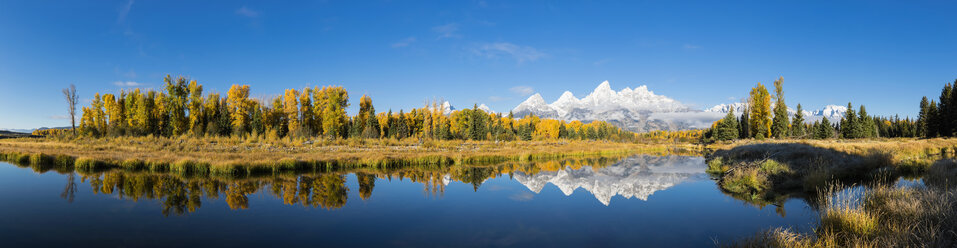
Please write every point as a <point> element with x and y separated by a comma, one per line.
<point>630,177</point>
<point>633,177</point>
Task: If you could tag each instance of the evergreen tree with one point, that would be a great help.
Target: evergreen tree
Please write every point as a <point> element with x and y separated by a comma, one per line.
<point>944,109</point>
<point>371,127</point>
<point>779,126</point>
<point>745,126</point>
<point>402,126</point>
<point>923,117</point>
<point>727,128</point>
<point>850,127</point>
<point>867,128</point>
<point>797,125</point>
<point>933,122</point>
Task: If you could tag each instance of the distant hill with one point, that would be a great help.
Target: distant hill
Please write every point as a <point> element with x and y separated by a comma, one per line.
<point>10,134</point>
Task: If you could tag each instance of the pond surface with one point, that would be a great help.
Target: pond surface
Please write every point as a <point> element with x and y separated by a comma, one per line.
<point>637,201</point>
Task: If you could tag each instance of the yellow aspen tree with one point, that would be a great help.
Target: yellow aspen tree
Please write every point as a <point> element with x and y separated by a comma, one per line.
<point>307,116</point>
<point>195,107</point>
<point>760,117</point>
<point>291,110</point>
<point>238,101</point>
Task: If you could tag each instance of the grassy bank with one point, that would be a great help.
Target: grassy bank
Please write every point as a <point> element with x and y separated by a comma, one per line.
<point>880,216</point>
<point>233,156</point>
<point>767,171</point>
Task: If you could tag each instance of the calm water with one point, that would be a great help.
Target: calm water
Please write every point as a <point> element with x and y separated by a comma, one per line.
<point>639,201</point>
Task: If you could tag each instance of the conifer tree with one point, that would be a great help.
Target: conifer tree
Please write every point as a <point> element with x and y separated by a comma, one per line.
<point>727,128</point>
<point>850,126</point>
<point>779,126</point>
<point>402,126</point>
<point>944,105</point>
<point>744,125</point>
<point>933,122</point>
<point>923,117</point>
<point>797,125</point>
<point>867,127</point>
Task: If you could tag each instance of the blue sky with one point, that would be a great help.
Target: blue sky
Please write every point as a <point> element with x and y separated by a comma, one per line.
<point>883,54</point>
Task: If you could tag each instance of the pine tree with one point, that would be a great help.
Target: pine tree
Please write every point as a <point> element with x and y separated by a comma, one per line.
<point>797,125</point>
<point>779,126</point>
<point>933,122</point>
<point>744,124</point>
<point>850,126</point>
<point>922,118</point>
<point>944,127</point>
<point>867,127</point>
<point>727,128</point>
<point>402,126</point>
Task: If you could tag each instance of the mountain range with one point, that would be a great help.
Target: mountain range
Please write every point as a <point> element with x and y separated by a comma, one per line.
<point>635,177</point>
<point>640,109</point>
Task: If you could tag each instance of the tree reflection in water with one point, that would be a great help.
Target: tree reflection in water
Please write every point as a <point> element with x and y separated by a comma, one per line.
<point>182,194</point>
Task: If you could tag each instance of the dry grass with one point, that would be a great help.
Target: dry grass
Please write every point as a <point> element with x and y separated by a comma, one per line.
<point>236,155</point>
<point>880,216</point>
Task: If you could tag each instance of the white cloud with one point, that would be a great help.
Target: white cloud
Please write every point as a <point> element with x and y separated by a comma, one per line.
<point>60,117</point>
<point>496,98</point>
<point>695,119</point>
<point>447,30</point>
<point>691,46</point>
<point>404,42</point>
<point>522,90</point>
<point>127,84</point>
<point>247,12</point>
<point>519,53</point>
<point>124,11</point>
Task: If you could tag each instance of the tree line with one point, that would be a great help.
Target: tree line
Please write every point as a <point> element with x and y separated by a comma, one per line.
<point>763,120</point>
<point>182,109</point>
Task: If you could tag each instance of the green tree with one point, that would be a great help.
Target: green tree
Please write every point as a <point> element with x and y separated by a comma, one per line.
<point>850,125</point>
<point>779,126</point>
<point>727,128</point>
<point>922,118</point>
<point>196,118</point>
<point>797,124</point>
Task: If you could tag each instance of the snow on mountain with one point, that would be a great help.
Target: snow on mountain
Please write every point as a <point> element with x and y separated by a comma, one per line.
<point>634,177</point>
<point>485,108</point>
<point>536,105</point>
<point>632,109</point>
<point>447,107</point>
<point>831,112</point>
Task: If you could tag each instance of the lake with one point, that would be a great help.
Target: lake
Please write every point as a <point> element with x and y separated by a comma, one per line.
<point>635,201</point>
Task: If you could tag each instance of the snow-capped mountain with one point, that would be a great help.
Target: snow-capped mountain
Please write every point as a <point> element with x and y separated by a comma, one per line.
<point>485,108</point>
<point>831,112</point>
<point>633,177</point>
<point>636,109</point>
<point>447,107</point>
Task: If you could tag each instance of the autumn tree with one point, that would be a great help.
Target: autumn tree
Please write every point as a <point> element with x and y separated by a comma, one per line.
<point>238,101</point>
<point>760,115</point>
<point>197,123</point>
<point>291,110</point>
<point>71,99</point>
<point>176,100</point>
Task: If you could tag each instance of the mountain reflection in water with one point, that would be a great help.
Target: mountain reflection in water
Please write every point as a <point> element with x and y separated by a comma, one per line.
<point>636,176</point>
